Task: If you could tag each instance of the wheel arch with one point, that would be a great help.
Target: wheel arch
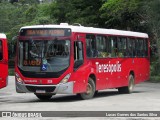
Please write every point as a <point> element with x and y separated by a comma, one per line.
<point>132,73</point>
<point>93,76</point>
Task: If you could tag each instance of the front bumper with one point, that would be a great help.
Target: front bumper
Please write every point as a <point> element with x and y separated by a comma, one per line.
<point>61,88</point>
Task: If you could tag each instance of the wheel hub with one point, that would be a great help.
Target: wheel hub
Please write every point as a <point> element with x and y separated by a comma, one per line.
<point>89,89</point>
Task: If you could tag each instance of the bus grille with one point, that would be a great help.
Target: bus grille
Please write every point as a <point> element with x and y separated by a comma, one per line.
<point>34,88</point>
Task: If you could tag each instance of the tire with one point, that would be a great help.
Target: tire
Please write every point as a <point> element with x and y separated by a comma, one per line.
<point>96,93</point>
<point>43,97</point>
<point>90,90</point>
<point>127,89</point>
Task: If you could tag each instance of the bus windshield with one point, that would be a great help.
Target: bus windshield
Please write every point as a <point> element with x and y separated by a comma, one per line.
<point>46,56</point>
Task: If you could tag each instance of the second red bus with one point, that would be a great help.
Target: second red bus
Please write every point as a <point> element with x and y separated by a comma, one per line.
<point>3,61</point>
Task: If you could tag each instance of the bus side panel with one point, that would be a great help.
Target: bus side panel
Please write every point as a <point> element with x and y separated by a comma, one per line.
<point>111,72</point>
<point>122,76</point>
<point>139,67</point>
<point>142,67</point>
<point>119,76</point>
<point>100,77</point>
<point>80,76</point>
<point>142,72</point>
<point>4,65</point>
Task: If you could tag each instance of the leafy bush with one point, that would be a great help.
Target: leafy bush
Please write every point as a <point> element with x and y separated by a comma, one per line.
<point>155,69</point>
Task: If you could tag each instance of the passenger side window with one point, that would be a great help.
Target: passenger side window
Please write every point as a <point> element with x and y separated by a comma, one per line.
<point>108,46</point>
<point>134,47</point>
<point>141,47</point>
<point>131,47</point>
<point>91,49</point>
<point>101,43</point>
<point>122,47</point>
<point>114,46</point>
<point>137,48</point>
<point>1,50</point>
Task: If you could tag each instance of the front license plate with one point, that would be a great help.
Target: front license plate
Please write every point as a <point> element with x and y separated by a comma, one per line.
<point>40,91</point>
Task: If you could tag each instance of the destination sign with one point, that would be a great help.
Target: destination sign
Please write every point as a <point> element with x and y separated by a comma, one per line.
<point>31,63</point>
<point>46,32</point>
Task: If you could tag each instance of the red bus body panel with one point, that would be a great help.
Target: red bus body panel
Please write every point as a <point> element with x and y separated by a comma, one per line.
<point>4,64</point>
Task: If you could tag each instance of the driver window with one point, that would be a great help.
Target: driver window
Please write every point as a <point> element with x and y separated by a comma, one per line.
<point>78,54</point>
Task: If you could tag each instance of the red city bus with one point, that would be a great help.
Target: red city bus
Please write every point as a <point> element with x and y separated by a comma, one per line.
<point>65,59</point>
<point>3,61</point>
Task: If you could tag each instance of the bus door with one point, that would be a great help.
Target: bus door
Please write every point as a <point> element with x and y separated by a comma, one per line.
<point>3,63</point>
<point>79,67</point>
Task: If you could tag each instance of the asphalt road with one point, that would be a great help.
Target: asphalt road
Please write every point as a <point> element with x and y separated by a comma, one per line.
<point>146,97</point>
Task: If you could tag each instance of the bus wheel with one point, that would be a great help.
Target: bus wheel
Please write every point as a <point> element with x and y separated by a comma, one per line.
<point>90,90</point>
<point>96,93</point>
<point>43,97</point>
<point>128,89</point>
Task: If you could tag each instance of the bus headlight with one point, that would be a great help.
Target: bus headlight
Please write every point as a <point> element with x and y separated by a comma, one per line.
<point>66,78</point>
<point>18,78</point>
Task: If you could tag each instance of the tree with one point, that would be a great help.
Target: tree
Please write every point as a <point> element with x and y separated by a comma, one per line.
<point>153,21</point>
<point>5,21</point>
<point>122,14</point>
<point>29,2</point>
<point>12,1</point>
<point>85,12</point>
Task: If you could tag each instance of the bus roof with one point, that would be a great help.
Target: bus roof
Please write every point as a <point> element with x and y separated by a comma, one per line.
<point>83,29</point>
<point>2,35</point>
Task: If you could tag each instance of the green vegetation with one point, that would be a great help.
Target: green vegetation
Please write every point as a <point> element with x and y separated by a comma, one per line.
<point>135,15</point>
<point>11,71</point>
